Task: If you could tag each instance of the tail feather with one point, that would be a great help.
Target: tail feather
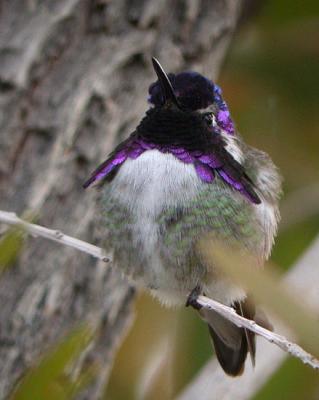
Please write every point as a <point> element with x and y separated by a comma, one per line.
<point>231,360</point>
<point>247,310</point>
<point>230,342</point>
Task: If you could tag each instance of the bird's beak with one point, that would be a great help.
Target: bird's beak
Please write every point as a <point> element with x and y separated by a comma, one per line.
<point>166,86</point>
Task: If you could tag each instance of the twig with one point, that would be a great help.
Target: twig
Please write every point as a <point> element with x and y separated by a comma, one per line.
<point>279,340</point>
<point>11,218</point>
<point>212,384</point>
<point>227,312</point>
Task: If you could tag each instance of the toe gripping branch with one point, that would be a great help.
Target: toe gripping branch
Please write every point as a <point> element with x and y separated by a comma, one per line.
<point>192,298</point>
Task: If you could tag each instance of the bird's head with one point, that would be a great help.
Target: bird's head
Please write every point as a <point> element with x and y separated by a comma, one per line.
<point>193,94</point>
<point>189,119</point>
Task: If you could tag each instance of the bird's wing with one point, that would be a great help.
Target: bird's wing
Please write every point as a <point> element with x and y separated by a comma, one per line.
<point>229,169</point>
<point>129,148</point>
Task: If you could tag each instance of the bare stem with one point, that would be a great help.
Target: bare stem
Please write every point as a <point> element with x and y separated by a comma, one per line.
<point>227,312</point>
<point>279,340</point>
<point>11,218</point>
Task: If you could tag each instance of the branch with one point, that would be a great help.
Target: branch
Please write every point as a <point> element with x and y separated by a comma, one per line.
<point>227,312</point>
<point>279,340</point>
<point>212,384</point>
<point>11,218</point>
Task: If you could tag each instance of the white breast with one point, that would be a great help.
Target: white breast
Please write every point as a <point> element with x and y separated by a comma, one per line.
<point>155,181</point>
<point>147,186</point>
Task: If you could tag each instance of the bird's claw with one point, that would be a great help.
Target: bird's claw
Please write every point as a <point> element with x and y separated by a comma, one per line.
<point>192,298</point>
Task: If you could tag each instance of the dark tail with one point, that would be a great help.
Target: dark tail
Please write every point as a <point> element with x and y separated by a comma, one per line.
<point>231,343</point>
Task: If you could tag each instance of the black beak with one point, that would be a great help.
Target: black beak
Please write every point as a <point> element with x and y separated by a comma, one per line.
<point>166,86</point>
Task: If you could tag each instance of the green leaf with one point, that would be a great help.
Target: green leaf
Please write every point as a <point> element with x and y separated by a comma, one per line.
<point>293,381</point>
<point>10,247</point>
<point>12,241</point>
<point>49,380</point>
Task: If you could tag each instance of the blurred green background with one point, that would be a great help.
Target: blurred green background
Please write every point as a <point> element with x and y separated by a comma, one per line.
<point>271,83</point>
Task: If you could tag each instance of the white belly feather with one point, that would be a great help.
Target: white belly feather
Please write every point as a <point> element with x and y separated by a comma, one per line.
<point>155,180</point>
<point>146,186</point>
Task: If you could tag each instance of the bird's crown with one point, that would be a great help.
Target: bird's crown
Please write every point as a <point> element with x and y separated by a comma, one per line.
<point>194,92</point>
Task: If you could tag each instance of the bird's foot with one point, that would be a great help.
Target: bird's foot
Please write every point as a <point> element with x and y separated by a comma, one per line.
<point>192,298</point>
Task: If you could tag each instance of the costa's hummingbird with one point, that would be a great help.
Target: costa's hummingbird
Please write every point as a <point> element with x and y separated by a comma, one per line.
<point>183,173</point>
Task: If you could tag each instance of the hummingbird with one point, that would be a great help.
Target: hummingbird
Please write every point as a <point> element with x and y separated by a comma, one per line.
<point>186,172</point>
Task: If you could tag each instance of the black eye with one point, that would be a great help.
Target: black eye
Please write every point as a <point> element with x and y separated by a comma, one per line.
<point>209,118</point>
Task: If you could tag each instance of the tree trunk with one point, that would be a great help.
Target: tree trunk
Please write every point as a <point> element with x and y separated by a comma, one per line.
<point>73,82</point>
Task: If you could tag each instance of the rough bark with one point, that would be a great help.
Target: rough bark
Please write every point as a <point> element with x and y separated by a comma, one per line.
<point>73,81</point>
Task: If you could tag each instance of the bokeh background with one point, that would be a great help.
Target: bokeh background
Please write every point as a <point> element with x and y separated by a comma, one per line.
<point>271,83</point>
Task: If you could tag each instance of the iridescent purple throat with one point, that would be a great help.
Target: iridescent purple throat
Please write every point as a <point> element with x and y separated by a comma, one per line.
<point>194,92</point>
<point>206,166</point>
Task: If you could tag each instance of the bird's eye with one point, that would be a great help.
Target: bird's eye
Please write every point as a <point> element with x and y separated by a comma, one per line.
<point>209,118</point>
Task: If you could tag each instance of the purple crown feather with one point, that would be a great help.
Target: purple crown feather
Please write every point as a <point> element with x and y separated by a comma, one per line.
<point>195,92</point>
<point>223,117</point>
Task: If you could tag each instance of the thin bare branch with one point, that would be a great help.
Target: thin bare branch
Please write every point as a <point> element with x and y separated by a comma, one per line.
<point>212,384</point>
<point>279,340</point>
<point>227,312</point>
<point>11,218</point>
